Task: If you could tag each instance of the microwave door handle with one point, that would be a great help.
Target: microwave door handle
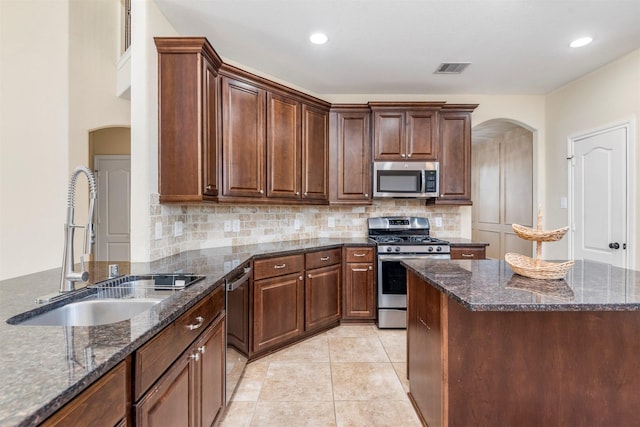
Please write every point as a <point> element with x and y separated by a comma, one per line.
<point>423,188</point>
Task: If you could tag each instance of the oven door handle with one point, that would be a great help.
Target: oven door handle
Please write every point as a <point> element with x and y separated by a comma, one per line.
<point>401,257</point>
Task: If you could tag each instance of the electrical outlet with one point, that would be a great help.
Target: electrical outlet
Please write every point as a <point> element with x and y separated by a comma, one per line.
<point>236,225</point>
<point>438,220</point>
<point>296,224</point>
<point>177,228</point>
<point>235,263</point>
<point>563,203</point>
<point>227,266</point>
<point>332,222</point>
<point>158,230</point>
<point>227,226</point>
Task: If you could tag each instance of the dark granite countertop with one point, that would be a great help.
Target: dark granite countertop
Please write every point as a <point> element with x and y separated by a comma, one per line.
<point>461,241</point>
<point>491,285</point>
<point>36,375</point>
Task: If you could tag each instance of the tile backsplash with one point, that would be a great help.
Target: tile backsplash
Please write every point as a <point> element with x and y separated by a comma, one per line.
<point>211,225</point>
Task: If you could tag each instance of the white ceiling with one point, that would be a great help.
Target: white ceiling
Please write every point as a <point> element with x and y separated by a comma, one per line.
<point>394,46</point>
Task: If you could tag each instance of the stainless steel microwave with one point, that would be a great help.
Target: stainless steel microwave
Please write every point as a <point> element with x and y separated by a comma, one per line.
<point>419,180</point>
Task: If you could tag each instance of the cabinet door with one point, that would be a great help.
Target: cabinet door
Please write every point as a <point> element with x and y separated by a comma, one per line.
<point>278,310</point>
<point>315,153</point>
<point>468,252</point>
<point>322,297</point>
<point>424,349</point>
<point>210,130</point>
<point>212,372</point>
<point>105,403</point>
<point>353,157</point>
<point>422,135</point>
<point>243,138</point>
<point>455,158</point>
<point>283,147</point>
<point>389,137</point>
<point>360,291</point>
<point>171,402</point>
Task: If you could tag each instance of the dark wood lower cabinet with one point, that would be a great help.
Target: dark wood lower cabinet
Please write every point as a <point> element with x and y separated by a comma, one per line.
<point>278,310</point>
<point>359,284</point>
<point>105,403</point>
<point>191,392</point>
<point>322,297</point>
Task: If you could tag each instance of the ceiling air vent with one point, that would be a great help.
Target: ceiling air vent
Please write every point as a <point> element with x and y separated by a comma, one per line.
<point>452,67</point>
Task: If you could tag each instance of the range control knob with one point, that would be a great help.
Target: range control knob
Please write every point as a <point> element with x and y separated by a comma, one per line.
<point>430,249</point>
<point>438,249</point>
<point>397,248</point>
<point>389,249</point>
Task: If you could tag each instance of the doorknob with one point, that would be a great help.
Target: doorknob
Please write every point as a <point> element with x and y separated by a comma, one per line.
<point>614,245</point>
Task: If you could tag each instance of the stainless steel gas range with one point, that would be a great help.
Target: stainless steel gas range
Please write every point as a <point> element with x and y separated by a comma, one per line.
<point>398,238</point>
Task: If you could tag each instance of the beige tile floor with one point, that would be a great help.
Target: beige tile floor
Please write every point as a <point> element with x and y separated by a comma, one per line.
<point>353,375</point>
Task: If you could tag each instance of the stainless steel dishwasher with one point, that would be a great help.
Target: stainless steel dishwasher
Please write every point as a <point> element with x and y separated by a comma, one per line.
<point>237,326</point>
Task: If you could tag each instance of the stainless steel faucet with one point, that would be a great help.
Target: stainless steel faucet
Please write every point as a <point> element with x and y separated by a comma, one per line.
<point>69,276</point>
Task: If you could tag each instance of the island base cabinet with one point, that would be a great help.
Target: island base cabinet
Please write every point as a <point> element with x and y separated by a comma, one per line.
<point>191,392</point>
<point>520,368</point>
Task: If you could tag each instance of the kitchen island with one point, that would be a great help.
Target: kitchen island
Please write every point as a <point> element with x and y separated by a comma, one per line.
<point>490,348</point>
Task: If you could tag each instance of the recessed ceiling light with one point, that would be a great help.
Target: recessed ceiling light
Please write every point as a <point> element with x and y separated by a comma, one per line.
<point>318,38</point>
<point>583,41</point>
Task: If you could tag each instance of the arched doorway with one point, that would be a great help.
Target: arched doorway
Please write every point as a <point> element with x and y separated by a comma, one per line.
<point>110,158</point>
<point>502,185</point>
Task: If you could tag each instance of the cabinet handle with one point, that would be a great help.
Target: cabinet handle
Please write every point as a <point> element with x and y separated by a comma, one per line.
<point>195,356</point>
<point>193,326</point>
<point>202,349</point>
<point>424,323</point>
<point>324,258</point>
<point>279,266</point>
<point>361,269</point>
<point>359,255</point>
<point>467,255</point>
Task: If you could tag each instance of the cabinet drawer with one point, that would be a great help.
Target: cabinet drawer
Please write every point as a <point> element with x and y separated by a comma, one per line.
<point>272,267</point>
<point>322,258</point>
<point>157,355</point>
<point>363,254</point>
<point>475,252</point>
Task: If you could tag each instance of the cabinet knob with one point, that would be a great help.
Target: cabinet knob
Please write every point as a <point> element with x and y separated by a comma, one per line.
<point>402,155</point>
<point>297,193</point>
<point>261,191</point>
<point>408,155</point>
<point>309,275</point>
<point>202,349</point>
<point>195,356</point>
<point>300,278</point>
<point>305,193</point>
<point>209,187</point>
<point>370,268</point>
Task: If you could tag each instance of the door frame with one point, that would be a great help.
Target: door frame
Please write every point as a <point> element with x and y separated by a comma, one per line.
<point>630,127</point>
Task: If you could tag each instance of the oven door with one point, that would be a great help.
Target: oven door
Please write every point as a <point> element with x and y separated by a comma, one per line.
<point>392,278</point>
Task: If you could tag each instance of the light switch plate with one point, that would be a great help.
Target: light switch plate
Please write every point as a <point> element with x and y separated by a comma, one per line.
<point>177,228</point>
<point>563,203</point>
<point>332,222</point>
<point>296,224</point>
<point>236,225</point>
<point>158,230</point>
<point>227,226</point>
<point>438,221</point>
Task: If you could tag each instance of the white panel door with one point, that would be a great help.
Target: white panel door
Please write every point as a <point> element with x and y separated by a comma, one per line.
<point>113,207</point>
<point>599,205</point>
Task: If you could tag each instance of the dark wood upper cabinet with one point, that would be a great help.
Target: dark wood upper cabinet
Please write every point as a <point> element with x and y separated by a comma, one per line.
<point>405,131</point>
<point>188,119</point>
<point>243,149</point>
<point>350,155</point>
<point>283,146</point>
<point>455,154</point>
<point>315,153</point>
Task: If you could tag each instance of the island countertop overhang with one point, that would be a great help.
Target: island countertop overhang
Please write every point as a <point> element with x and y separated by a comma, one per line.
<point>491,285</point>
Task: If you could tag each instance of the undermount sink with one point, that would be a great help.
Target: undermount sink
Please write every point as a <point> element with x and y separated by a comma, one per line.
<point>92,312</point>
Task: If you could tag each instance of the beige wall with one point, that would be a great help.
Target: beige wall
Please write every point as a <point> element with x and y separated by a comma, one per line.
<point>607,96</point>
<point>58,83</point>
